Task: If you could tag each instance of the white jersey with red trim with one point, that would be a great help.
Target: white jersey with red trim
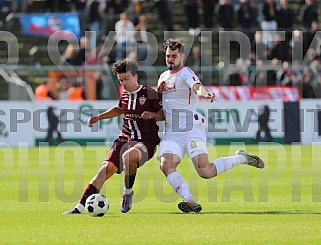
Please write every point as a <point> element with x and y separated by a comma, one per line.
<point>179,99</point>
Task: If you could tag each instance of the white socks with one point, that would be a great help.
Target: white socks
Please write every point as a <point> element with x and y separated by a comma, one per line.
<point>80,207</point>
<point>127,191</point>
<point>225,163</point>
<point>180,186</point>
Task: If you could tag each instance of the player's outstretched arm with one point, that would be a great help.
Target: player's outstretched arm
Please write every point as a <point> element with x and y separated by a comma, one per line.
<point>202,91</point>
<point>158,116</point>
<point>112,112</point>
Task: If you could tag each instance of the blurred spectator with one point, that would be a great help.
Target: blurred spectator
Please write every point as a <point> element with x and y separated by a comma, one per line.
<point>99,56</point>
<point>285,19</point>
<point>125,36</point>
<point>309,20</point>
<point>69,56</point>
<point>100,87</point>
<point>42,92</point>
<point>96,10</point>
<point>286,76</point>
<point>263,120</point>
<point>164,14</point>
<point>259,8</point>
<point>3,10</point>
<point>238,76</point>
<point>132,56</point>
<point>80,7</point>
<point>308,15</point>
<point>17,6</point>
<point>56,6</point>
<point>191,12</point>
<point>119,6</point>
<point>20,5</point>
<point>103,21</point>
<point>202,65</point>
<point>75,92</point>
<point>225,14</point>
<point>269,24</point>
<point>306,85</point>
<point>106,54</point>
<point>261,76</point>
<point>208,12</point>
<point>284,16</point>
<point>298,47</point>
<point>73,56</point>
<point>53,121</point>
<point>83,50</point>
<point>94,59</point>
<point>135,10</point>
<point>279,51</point>
<point>259,49</point>
<point>142,34</point>
<point>246,18</point>
<point>115,8</point>
<point>62,87</point>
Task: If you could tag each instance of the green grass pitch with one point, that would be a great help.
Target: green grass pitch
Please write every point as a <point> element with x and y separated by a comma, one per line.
<point>277,205</point>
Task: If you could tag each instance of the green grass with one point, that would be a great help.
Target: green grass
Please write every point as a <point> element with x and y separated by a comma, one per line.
<point>277,205</point>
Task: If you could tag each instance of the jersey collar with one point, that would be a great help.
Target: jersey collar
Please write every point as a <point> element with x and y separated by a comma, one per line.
<point>173,72</point>
<point>133,92</point>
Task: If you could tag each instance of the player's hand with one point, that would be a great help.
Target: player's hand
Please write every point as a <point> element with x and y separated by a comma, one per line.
<point>210,96</point>
<point>161,87</point>
<point>91,121</point>
<point>147,115</point>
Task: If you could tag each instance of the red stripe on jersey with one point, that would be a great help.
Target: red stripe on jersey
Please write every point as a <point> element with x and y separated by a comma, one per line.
<point>190,70</point>
<point>189,96</point>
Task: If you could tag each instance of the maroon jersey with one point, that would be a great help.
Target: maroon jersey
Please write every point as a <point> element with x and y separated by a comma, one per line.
<point>134,104</point>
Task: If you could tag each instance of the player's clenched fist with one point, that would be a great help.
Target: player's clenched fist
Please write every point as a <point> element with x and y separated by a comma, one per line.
<point>91,121</point>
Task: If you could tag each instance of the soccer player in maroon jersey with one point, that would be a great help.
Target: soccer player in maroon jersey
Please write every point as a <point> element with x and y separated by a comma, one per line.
<point>138,139</point>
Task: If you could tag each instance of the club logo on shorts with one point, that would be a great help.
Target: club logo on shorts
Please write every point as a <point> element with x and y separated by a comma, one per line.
<point>142,100</point>
<point>193,144</point>
<point>142,147</point>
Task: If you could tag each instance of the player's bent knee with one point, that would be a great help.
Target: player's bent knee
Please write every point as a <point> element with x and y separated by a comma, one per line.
<point>165,167</point>
<point>205,174</point>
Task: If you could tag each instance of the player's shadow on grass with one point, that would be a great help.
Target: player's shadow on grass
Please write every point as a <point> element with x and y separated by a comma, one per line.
<point>275,212</point>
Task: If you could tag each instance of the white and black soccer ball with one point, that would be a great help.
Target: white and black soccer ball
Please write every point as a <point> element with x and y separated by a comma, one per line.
<point>97,205</point>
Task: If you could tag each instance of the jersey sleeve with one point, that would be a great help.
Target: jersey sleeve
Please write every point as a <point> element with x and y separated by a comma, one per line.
<point>191,77</point>
<point>160,79</point>
<point>154,99</point>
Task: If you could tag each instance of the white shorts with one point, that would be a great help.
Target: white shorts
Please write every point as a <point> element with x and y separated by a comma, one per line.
<point>192,143</point>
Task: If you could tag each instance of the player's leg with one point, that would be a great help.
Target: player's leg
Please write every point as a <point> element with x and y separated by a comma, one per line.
<point>94,186</point>
<point>130,162</point>
<point>170,156</point>
<point>110,166</point>
<point>134,157</point>
<point>197,151</point>
<point>207,170</point>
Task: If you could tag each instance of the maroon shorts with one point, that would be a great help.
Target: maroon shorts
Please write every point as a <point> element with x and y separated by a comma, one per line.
<point>119,146</point>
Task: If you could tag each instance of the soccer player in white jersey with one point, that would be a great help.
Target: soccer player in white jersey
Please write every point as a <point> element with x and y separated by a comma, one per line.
<point>185,127</point>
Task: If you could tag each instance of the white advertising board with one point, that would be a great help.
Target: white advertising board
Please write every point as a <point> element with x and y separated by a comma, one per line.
<point>238,120</point>
<point>310,121</point>
<point>227,121</point>
<point>16,124</point>
<point>70,120</point>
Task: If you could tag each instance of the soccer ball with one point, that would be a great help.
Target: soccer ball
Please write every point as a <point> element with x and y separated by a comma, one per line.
<point>97,205</point>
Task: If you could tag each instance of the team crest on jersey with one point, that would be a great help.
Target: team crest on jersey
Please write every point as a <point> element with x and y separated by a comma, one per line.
<point>193,144</point>
<point>142,100</point>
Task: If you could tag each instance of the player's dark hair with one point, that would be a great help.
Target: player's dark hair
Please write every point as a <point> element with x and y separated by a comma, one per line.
<point>174,44</point>
<point>124,66</point>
